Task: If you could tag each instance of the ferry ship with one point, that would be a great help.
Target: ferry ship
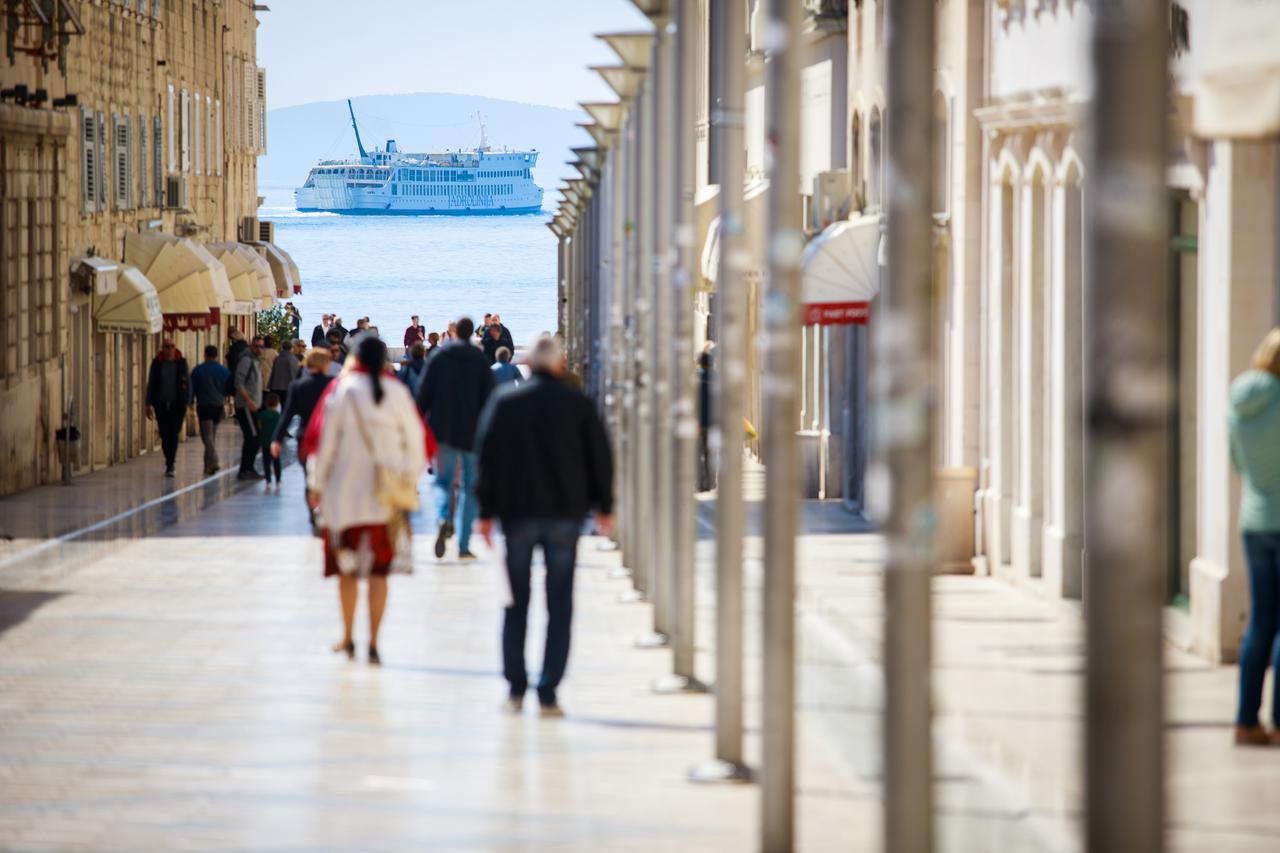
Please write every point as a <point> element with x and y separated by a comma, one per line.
<point>390,182</point>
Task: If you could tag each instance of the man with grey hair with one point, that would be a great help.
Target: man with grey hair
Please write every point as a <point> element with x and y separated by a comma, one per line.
<point>543,464</point>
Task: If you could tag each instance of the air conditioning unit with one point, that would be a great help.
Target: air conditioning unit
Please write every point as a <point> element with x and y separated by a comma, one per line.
<point>249,229</point>
<point>266,232</point>
<point>830,198</point>
<point>175,192</point>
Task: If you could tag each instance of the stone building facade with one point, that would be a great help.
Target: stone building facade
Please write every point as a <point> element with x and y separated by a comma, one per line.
<point>119,117</point>
<point>1012,91</point>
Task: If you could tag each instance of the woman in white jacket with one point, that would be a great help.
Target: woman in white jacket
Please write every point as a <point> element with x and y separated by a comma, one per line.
<point>370,423</point>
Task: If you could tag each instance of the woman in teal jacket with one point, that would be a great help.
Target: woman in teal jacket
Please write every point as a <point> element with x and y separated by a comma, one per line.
<point>1255,451</point>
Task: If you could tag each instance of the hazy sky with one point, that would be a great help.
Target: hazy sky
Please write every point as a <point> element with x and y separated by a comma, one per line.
<point>535,51</point>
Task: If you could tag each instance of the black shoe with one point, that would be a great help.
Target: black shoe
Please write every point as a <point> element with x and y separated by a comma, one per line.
<point>374,660</point>
<point>442,534</point>
<point>467,556</point>
<point>348,648</point>
<point>249,476</point>
<point>168,471</point>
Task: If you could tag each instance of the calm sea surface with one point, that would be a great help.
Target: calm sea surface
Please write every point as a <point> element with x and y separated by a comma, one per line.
<point>438,267</point>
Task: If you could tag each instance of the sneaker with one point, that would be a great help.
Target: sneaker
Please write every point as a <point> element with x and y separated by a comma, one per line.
<point>514,704</point>
<point>441,535</point>
<point>1252,736</point>
<point>168,472</point>
<point>550,711</point>
<point>467,556</point>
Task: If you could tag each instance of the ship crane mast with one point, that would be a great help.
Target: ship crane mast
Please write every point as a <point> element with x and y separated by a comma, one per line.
<point>356,128</point>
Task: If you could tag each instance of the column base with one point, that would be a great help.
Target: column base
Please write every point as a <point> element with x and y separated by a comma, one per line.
<point>1219,610</point>
<point>1027,543</point>
<point>953,546</point>
<point>1062,562</point>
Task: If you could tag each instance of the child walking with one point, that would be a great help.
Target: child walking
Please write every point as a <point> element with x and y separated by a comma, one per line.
<point>268,420</point>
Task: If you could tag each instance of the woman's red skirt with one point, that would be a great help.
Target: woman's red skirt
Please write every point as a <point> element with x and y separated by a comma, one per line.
<point>371,542</point>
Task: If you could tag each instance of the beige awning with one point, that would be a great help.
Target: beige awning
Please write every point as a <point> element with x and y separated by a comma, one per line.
<point>188,279</point>
<point>246,271</point>
<point>134,306</point>
<point>283,270</point>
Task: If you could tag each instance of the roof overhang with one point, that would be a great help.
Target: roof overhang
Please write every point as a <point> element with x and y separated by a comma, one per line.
<point>624,80</point>
<point>633,48</point>
<point>608,114</point>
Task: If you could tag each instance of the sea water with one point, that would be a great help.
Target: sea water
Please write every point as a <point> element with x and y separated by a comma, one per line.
<point>389,268</point>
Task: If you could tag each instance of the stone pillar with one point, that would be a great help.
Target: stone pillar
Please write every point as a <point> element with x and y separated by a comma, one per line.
<point>1238,298</point>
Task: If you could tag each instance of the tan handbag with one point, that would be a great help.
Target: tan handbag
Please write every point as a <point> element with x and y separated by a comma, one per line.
<point>396,490</point>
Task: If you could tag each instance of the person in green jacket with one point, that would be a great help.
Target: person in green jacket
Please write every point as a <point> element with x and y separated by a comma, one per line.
<point>1254,421</point>
<point>268,420</point>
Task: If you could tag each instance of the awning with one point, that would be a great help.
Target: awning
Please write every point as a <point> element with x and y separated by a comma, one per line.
<point>192,284</point>
<point>134,306</point>
<point>840,273</point>
<point>1237,69</point>
<point>252,284</point>
<point>752,260</point>
<point>283,270</point>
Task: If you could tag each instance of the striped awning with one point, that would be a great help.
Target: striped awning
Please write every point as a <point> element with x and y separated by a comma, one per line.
<point>132,308</point>
<point>192,284</point>
<point>249,274</point>
<point>841,273</point>
<point>288,281</point>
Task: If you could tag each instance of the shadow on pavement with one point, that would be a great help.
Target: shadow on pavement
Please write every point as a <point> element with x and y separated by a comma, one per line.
<point>17,605</point>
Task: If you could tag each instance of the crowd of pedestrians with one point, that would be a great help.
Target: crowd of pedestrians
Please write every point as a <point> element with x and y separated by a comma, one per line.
<point>523,451</point>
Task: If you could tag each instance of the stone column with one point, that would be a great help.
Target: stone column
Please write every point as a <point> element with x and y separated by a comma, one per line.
<point>1238,299</point>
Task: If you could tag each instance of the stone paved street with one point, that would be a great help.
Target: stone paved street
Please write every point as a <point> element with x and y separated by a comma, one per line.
<point>179,694</point>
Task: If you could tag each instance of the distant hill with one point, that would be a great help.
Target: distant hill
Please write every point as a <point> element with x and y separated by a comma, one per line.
<point>299,136</point>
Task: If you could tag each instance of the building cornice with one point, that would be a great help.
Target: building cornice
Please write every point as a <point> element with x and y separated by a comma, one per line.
<point>1041,111</point>
<point>35,122</point>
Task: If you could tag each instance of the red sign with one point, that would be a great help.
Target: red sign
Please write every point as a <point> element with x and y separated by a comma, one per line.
<point>188,322</point>
<point>837,313</point>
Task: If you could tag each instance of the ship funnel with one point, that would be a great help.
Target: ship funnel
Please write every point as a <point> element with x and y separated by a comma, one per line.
<point>391,146</point>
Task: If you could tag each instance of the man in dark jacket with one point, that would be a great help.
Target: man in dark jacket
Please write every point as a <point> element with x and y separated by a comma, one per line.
<point>321,331</point>
<point>491,343</point>
<point>504,334</point>
<point>544,464</point>
<point>209,390</point>
<point>302,398</point>
<point>168,394</point>
<point>453,390</point>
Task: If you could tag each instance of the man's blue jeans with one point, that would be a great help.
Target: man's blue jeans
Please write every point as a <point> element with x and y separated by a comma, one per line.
<point>1262,552</point>
<point>447,459</point>
<point>559,541</point>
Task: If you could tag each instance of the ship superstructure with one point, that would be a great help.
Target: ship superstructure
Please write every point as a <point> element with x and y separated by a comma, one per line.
<point>388,182</point>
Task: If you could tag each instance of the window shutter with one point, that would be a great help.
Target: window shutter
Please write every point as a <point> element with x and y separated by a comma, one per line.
<point>120,139</point>
<point>142,161</point>
<point>88,161</point>
<point>261,77</point>
<point>217,136</point>
<point>104,169</point>
<point>170,161</point>
<point>250,112</point>
<point>184,131</point>
<point>157,162</point>
<point>197,137</point>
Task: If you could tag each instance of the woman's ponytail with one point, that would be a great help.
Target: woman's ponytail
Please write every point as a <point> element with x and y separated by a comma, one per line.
<point>371,352</point>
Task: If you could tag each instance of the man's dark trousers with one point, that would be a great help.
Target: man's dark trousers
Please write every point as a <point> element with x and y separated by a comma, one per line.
<point>251,447</point>
<point>169,417</point>
<point>559,541</point>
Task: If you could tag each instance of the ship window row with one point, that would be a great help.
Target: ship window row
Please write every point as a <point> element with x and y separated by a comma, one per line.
<point>416,190</point>
<point>434,176</point>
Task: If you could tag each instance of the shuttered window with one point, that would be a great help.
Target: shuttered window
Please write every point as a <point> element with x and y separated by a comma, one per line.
<point>121,137</point>
<point>197,136</point>
<point>170,148</point>
<point>261,104</point>
<point>157,162</point>
<point>217,136</point>
<point>104,167</point>
<point>250,110</point>
<point>184,130</point>
<point>143,198</point>
<point>88,161</point>
<point>208,135</point>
